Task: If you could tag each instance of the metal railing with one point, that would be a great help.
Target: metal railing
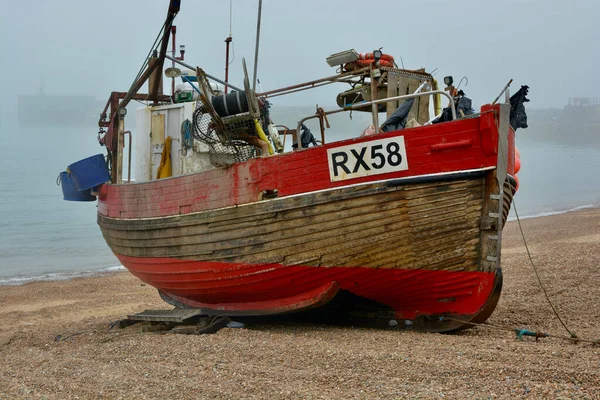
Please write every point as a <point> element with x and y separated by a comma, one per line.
<point>378,101</point>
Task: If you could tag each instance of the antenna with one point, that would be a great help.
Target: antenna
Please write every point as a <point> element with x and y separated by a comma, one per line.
<point>230,14</point>
<point>257,42</point>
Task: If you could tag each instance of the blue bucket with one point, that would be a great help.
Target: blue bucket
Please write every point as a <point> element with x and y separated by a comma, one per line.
<point>70,191</point>
<point>89,172</point>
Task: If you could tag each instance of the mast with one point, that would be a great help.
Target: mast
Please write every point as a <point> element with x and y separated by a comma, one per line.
<point>257,42</point>
<point>174,57</point>
<point>173,45</point>
<point>173,10</point>
<point>228,40</point>
<point>117,120</point>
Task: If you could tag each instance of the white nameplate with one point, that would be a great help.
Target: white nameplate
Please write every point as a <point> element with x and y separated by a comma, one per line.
<point>368,158</point>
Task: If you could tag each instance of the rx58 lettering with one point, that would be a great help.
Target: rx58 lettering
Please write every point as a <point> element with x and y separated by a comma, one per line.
<point>352,161</point>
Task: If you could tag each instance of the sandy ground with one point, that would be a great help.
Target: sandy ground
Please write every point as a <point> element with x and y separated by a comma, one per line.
<point>296,361</point>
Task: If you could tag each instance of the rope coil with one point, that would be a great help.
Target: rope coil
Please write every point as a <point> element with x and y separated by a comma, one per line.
<point>187,141</point>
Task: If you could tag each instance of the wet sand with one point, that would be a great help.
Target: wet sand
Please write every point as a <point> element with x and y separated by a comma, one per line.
<point>296,361</point>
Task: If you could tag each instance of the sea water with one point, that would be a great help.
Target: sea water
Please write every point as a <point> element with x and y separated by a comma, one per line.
<point>44,237</point>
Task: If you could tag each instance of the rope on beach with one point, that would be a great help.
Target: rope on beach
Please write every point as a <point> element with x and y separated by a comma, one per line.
<point>573,335</point>
<point>520,333</point>
<point>61,338</point>
<point>526,332</point>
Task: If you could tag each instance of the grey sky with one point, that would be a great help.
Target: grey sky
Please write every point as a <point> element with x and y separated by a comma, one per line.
<point>93,47</point>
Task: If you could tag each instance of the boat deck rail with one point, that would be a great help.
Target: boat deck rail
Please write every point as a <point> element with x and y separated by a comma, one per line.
<point>344,77</point>
<point>374,102</point>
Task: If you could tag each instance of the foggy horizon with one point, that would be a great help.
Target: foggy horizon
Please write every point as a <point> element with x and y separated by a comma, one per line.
<point>93,48</point>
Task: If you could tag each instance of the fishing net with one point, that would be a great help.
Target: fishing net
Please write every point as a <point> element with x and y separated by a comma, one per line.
<point>226,138</point>
<point>227,124</point>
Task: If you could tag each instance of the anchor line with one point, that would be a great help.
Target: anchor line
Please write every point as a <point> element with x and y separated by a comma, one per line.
<point>573,335</point>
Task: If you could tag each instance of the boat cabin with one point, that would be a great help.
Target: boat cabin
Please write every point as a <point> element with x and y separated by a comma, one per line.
<point>207,123</point>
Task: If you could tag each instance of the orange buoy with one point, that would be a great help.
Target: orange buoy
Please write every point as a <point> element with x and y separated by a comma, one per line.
<point>517,180</point>
<point>365,59</point>
<point>370,56</point>
<point>517,153</point>
<point>517,164</point>
<point>382,62</point>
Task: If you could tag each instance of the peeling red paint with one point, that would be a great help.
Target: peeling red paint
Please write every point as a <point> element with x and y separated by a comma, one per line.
<point>304,171</point>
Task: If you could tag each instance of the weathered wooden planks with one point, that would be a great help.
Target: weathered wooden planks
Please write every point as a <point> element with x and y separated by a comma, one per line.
<point>425,226</point>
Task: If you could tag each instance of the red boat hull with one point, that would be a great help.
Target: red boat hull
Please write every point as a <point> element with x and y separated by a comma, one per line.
<point>422,242</point>
<point>243,289</point>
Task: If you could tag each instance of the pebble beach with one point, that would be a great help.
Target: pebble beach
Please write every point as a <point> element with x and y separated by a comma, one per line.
<point>55,341</point>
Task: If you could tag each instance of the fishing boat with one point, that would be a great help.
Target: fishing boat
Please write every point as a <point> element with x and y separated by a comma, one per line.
<point>403,220</point>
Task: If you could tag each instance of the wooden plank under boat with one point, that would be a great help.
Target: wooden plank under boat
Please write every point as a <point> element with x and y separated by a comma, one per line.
<point>282,233</point>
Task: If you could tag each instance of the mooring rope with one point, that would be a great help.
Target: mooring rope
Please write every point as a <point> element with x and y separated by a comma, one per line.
<point>573,335</point>
<point>520,333</point>
<point>514,205</point>
<point>152,48</point>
